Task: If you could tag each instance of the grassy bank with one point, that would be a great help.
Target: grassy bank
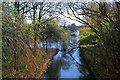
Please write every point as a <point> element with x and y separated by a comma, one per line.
<point>101,62</point>
<point>32,64</point>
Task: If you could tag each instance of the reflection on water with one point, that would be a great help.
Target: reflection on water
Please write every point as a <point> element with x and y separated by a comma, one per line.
<point>63,65</point>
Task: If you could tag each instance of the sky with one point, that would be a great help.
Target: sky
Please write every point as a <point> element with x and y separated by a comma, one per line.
<point>65,0</point>
<point>64,19</point>
<point>68,21</point>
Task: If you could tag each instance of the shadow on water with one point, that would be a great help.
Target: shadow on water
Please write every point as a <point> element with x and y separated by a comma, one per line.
<point>64,66</point>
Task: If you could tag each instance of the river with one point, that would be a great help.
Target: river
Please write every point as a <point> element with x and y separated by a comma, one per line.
<point>64,66</point>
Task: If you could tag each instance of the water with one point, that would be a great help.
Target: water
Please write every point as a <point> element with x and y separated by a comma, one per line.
<point>64,66</point>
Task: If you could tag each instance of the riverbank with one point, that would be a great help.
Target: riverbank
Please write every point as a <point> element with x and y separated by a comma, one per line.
<point>102,64</point>
<point>32,64</point>
<point>49,58</point>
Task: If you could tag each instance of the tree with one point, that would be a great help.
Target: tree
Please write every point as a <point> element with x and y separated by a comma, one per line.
<point>53,33</point>
<point>101,19</point>
<point>13,31</point>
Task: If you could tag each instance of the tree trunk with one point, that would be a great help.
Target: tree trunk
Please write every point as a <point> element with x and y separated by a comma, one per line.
<point>17,7</point>
<point>15,44</point>
<point>35,45</point>
<point>46,46</point>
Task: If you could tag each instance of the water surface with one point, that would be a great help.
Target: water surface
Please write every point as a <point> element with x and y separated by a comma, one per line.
<point>64,66</point>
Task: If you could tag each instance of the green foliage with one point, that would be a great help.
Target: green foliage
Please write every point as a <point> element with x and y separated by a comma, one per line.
<point>14,29</point>
<point>85,33</point>
<point>54,32</point>
<point>106,23</point>
<point>87,36</point>
<point>15,33</point>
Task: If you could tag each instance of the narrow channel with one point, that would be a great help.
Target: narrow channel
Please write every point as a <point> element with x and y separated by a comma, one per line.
<point>63,65</point>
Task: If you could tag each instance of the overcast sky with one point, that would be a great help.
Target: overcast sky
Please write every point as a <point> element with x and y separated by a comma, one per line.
<point>63,19</point>
<point>69,21</point>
